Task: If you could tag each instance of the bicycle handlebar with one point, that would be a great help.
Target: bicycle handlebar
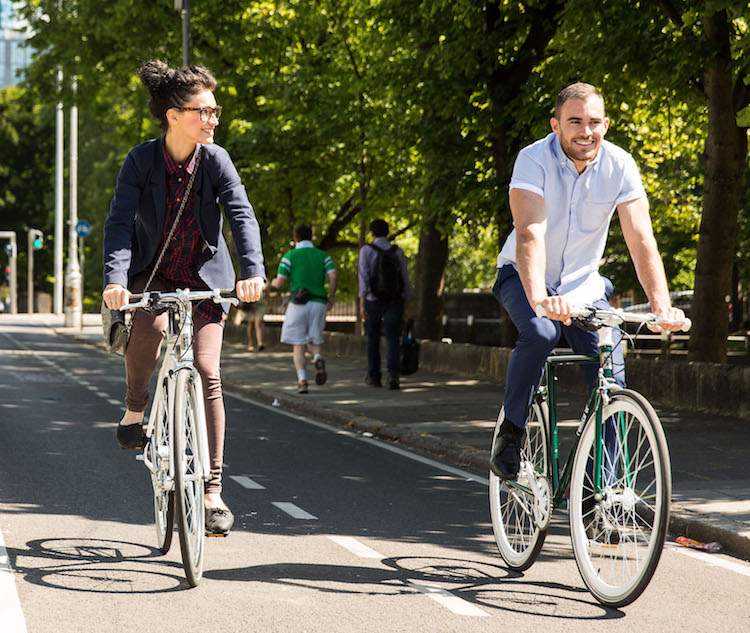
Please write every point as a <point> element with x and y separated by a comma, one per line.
<point>218,295</point>
<point>614,316</point>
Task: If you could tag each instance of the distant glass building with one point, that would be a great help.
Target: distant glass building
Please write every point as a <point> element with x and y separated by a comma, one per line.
<point>14,56</point>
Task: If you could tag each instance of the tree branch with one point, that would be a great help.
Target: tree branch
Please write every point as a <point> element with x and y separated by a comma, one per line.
<point>346,213</point>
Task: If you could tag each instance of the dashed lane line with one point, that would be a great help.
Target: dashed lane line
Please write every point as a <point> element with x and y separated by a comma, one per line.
<point>456,605</point>
<point>355,547</point>
<point>294,511</point>
<point>246,482</point>
<point>11,615</point>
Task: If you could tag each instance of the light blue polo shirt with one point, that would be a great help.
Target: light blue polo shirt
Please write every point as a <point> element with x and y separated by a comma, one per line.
<point>579,209</point>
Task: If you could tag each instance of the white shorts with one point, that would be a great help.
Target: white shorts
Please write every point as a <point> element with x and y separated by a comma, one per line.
<point>304,323</point>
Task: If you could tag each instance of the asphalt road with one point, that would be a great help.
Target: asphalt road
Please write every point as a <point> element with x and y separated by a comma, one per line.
<point>335,531</point>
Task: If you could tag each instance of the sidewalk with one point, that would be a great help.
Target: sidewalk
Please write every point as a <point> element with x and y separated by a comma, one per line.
<point>452,419</point>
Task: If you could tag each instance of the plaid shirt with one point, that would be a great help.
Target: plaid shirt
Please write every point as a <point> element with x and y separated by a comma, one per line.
<point>182,259</point>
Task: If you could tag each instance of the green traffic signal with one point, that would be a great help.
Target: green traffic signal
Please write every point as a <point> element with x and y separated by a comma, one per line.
<point>38,243</point>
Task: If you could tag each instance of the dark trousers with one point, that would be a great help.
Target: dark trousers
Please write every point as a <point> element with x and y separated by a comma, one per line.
<point>537,337</point>
<point>390,316</point>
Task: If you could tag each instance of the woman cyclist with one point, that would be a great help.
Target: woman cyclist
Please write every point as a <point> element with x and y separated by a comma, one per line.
<point>150,188</point>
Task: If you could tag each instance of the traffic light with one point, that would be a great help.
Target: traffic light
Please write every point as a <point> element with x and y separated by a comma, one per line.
<point>38,239</point>
<point>9,249</point>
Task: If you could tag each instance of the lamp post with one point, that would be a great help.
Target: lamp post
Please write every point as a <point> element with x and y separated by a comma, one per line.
<point>183,6</point>
<point>73,316</point>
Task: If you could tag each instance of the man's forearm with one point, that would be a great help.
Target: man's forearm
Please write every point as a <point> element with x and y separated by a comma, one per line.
<point>650,271</point>
<point>531,262</point>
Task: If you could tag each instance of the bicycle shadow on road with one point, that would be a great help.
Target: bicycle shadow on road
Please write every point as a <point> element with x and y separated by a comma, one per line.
<point>94,565</point>
<point>486,585</point>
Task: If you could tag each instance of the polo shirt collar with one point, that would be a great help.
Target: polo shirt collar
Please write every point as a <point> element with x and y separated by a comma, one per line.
<point>304,244</point>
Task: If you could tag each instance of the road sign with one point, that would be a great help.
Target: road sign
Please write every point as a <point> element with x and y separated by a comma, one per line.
<point>83,228</point>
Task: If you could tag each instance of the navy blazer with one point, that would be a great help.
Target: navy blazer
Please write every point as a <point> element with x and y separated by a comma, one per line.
<point>135,224</point>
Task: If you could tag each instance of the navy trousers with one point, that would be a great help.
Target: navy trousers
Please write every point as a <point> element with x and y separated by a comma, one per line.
<point>537,337</point>
<point>389,316</point>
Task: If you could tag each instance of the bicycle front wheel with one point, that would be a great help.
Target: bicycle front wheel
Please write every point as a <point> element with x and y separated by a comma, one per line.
<point>159,455</point>
<point>618,535</point>
<point>517,534</point>
<point>189,503</point>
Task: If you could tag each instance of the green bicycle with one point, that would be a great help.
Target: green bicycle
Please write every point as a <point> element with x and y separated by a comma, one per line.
<point>617,476</point>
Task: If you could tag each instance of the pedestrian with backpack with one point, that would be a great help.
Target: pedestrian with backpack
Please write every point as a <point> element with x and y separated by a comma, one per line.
<point>383,291</point>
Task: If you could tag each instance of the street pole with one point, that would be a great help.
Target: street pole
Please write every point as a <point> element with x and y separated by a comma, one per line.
<point>73,273</point>
<point>185,12</point>
<point>59,184</point>
<point>13,281</point>
<point>30,272</point>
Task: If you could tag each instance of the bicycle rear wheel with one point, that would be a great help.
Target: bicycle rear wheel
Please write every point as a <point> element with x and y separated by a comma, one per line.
<point>517,535</point>
<point>159,454</point>
<point>189,503</point>
<point>618,539</point>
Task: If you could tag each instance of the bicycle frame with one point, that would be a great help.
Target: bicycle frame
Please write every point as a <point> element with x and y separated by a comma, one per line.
<point>178,356</point>
<point>597,399</point>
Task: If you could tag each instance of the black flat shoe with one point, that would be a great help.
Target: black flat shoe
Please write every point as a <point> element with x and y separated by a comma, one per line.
<point>131,436</point>
<point>218,521</point>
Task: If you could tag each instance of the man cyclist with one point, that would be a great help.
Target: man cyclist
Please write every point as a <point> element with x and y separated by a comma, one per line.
<point>563,192</point>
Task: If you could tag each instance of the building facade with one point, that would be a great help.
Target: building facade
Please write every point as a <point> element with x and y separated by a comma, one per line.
<point>14,55</point>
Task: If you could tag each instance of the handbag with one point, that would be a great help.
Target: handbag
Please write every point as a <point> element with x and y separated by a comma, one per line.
<point>409,350</point>
<point>115,327</point>
<point>300,296</point>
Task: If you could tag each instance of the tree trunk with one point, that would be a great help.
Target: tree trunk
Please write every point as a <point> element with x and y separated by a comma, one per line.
<point>725,155</point>
<point>430,274</point>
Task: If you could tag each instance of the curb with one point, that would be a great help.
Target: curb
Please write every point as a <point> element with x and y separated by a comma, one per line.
<point>682,522</point>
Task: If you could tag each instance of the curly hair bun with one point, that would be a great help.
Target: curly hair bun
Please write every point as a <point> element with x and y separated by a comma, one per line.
<point>155,75</point>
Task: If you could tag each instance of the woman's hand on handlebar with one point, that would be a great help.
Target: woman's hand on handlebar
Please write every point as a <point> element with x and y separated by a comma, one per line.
<point>251,289</point>
<point>115,296</point>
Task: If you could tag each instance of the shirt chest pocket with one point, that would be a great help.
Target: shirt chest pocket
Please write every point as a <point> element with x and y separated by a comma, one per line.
<point>592,215</point>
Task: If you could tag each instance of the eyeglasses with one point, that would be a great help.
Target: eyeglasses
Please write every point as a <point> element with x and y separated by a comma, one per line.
<point>204,113</point>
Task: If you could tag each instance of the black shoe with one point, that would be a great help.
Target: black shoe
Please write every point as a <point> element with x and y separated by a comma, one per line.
<point>131,436</point>
<point>218,521</point>
<point>505,460</point>
<point>373,382</point>
<point>320,372</point>
<point>393,383</point>
<point>301,386</point>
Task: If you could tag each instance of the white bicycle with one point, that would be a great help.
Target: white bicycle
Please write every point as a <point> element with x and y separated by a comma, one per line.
<point>176,453</point>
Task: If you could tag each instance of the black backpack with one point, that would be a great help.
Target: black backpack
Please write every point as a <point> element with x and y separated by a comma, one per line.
<point>386,279</point>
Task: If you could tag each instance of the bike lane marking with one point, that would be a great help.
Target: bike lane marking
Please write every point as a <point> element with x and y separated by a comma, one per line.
<point>456,605</point>
<point>356,547</point>
<point>246,482</point>
<point>294,511</point>
<point>713,560</point>
<point>11,615</point>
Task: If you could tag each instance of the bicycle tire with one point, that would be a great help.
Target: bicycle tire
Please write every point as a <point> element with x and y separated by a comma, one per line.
<point>627,528</point>
<point>189,483</point>
<point>163,499</point>
<point>517,536</point>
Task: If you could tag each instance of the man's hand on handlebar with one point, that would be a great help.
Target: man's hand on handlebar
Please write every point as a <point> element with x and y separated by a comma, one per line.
<point>115,296</point>
<point>674,315</point>
<point>251,289</point>
<point>556,308</point>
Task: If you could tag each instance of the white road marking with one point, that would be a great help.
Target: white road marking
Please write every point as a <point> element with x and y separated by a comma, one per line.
<point>714,560</point>
<point>11,614</point>
<point>356,547</point>
<point>384,445</point>
<point>246,482</point>
<point>113,401</point>
<point>293,511</point>
<point>456,605</point>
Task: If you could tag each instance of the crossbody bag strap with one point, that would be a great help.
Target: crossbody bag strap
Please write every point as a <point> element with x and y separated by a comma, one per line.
<point>177,218</point>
